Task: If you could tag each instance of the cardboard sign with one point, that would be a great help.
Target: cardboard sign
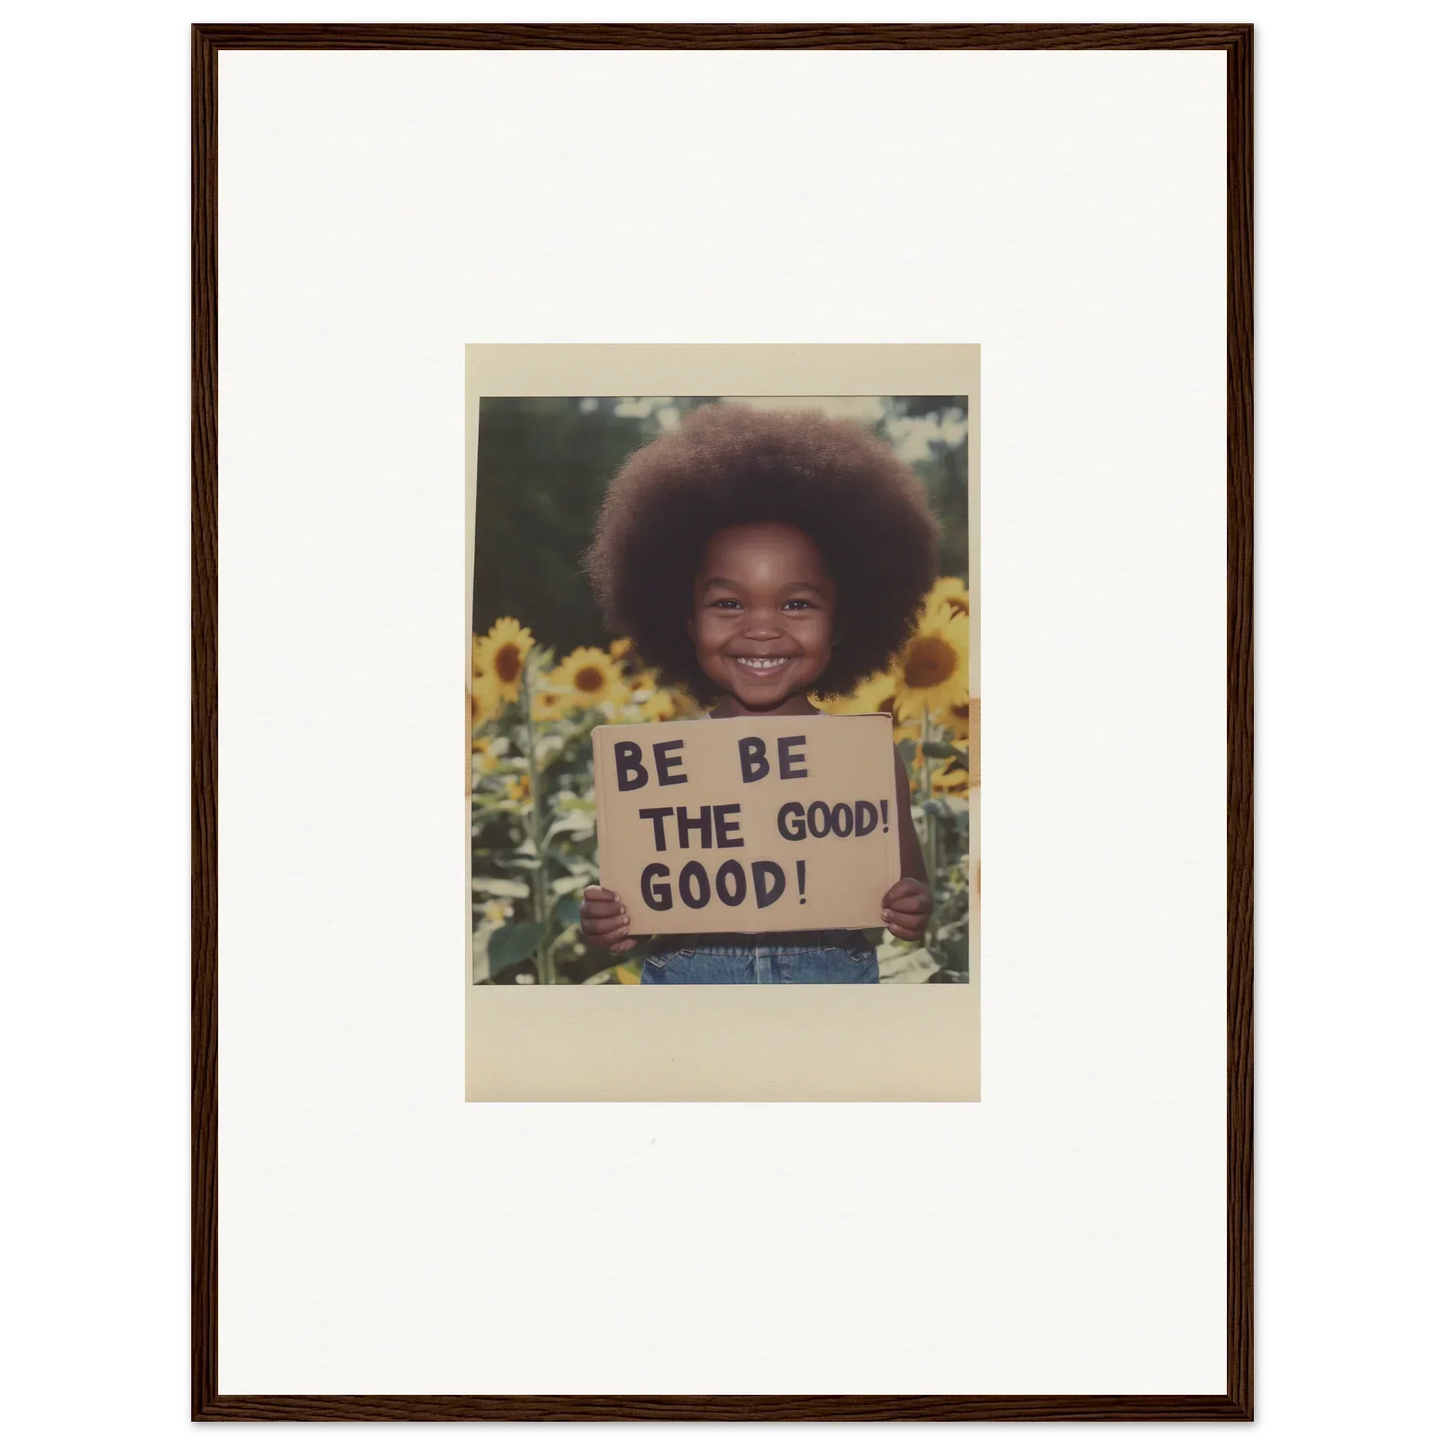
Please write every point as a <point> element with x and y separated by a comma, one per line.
<point>748,825</point>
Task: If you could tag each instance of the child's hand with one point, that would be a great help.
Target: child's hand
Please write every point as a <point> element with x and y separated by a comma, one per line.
<point>604,920</point>
<point>906,907</point>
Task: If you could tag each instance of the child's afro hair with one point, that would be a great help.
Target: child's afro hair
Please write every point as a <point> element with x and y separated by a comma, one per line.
<point>726,465</point>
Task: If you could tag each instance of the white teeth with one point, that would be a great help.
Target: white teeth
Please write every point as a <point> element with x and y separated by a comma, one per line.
<point>762,664</point>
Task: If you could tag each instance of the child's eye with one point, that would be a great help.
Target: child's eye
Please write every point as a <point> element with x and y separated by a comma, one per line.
<point>727,602</point>
<point>798,602</point>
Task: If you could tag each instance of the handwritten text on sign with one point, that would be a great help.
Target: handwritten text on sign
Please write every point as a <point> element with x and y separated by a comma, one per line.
<point>744,825</point>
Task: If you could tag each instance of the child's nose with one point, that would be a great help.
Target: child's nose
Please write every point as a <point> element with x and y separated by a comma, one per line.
<point>764,625</point>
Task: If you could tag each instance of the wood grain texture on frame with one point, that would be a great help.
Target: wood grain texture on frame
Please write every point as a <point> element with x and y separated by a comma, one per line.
<point>1237,1403</point>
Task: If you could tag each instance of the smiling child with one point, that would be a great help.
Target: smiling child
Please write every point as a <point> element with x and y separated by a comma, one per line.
<point>755,558</point>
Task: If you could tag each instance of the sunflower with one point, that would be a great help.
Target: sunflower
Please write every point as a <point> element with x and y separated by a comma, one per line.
<point>519,790</point>
<point>483,698</point>
<point>549,704</point>
<point>589,678</point>
<point>501,655</point>
<point>932,670</point>
<point>952,779</point>
<point>948,596</point>
<point>661,706</point>
<point>955,717</point>
<point>653,701</point>
<point>873,694</point>
<point>878,693</point>
<point>484,754</point>
<point>620,649</point>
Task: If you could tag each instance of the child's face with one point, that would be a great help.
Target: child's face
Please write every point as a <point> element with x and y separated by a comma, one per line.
<point>762,618</point>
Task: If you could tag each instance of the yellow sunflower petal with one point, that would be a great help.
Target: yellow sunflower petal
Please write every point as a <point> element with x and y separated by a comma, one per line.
<point>955,717</point>
<point>484,698</point>
<point>873,694</point>
<point>952,779</point>
<point>878,693</point>
<point>660,707</point>
<point>949,596</point>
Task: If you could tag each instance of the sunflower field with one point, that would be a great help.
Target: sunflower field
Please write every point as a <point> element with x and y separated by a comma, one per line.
<point>534,820</point>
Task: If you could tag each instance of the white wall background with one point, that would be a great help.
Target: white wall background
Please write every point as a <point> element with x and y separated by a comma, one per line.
<point>378,212</point>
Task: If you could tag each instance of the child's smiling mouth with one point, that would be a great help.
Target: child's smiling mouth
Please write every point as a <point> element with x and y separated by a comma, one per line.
<point>759,664</point>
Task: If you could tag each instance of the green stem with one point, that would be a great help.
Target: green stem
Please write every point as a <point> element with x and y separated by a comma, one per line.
<point>930,823</point>
<point>541,893</point>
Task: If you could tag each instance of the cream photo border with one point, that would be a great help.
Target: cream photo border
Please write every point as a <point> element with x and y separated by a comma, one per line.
<point>907,1042</point>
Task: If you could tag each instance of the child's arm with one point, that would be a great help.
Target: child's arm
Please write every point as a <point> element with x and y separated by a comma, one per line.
<point>908,904</point>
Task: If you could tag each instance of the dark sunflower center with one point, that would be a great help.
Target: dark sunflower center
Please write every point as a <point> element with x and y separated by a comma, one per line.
<point>589,679</point>
<point>930,661</point>
<point>508,662</point>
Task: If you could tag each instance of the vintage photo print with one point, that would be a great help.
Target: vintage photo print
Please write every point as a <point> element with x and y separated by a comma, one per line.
<point>834,530</point>
<point>722,692</point>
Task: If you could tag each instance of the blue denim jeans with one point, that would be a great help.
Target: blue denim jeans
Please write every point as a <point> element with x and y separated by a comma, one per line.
<point>836,955</point>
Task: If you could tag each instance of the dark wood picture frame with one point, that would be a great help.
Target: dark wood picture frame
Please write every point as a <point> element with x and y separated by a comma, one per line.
<point>1237,1403</point>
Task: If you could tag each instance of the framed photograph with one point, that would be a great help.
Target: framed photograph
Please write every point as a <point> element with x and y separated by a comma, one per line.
<point>613,503</point>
